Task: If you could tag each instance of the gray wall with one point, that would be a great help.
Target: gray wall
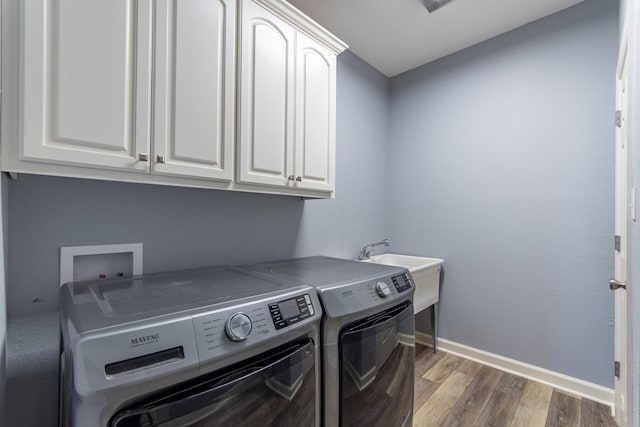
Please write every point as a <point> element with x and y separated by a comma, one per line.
<point>505,163</point>
<point>182,227</point>
<point>179,227</point>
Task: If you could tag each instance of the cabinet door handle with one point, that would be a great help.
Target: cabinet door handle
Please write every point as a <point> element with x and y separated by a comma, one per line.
<point>161,159</point>
<point>291,178</point>
<point>143,157</point>
<point>299,179</point>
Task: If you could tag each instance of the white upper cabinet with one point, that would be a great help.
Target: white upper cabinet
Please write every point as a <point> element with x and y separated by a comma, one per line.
<point>227,94</point>
<point>88,86</point>
<point>194,88</point>
<point>287,99</point>
<point>315,115</point>
<point>86,82</point>
<point>266,97</point>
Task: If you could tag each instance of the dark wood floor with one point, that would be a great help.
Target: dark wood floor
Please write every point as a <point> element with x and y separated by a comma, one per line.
<point>452,391</point>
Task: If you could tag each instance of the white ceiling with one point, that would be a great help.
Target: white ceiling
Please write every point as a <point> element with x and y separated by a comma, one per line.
<point>397,35</point>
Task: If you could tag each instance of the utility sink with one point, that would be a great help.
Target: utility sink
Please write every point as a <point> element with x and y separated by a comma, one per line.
<point>425,272</point>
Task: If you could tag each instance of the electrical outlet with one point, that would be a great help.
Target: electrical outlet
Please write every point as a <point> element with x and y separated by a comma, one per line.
<point>100,262</point>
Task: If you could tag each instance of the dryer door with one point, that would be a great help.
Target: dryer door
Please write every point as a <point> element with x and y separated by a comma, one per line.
<point>277,388</point>
<point>376,369</point>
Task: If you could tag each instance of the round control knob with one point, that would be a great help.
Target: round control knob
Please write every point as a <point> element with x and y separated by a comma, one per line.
<point>238,327</point>
<point>383,289</point>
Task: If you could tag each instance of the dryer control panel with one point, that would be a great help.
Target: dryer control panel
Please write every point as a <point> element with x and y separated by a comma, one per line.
<point>348,298</point>
<point>290,311</point>
<point>401,282</point>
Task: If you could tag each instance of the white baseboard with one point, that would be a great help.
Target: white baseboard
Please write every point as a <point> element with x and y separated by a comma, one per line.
<point>557,380</point>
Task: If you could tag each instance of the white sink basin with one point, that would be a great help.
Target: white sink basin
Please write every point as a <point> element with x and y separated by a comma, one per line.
<point>413,263</point>
<point>425,272</point>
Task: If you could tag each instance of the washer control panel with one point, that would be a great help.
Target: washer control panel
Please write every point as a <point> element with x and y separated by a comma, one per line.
<point>290,311</point>
<point>231,329</point>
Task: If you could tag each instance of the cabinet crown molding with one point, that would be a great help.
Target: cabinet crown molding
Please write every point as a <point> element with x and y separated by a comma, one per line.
<point>298,19</point>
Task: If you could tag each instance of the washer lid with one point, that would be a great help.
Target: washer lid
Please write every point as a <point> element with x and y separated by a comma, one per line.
<point>102,303</point>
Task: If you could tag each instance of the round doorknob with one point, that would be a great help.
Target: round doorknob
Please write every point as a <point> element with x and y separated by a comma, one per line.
<point>615,284</point>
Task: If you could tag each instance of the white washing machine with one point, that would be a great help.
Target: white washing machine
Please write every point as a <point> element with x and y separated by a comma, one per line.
<point>368,338</point>
<point>206,347</point>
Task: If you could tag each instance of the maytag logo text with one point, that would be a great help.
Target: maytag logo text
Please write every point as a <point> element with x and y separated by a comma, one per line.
<point>147,339</point>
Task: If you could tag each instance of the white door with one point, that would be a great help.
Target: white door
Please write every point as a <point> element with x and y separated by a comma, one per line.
<point>194,88</point>
<point>624,217</point>
<point>315,115</point>
<point>86,82</point>
<point>266,97</point>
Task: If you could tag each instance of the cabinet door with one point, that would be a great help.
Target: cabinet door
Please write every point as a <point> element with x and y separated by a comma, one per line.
<point>195,88</point>
<point>86,82</point>
<point>266,97</point>
<point>315,115</point>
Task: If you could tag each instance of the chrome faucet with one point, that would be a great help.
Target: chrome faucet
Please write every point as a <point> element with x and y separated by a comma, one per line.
<point>365,253</point>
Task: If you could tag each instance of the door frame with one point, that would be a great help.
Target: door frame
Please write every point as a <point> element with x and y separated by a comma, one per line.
<point>624,227</point>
